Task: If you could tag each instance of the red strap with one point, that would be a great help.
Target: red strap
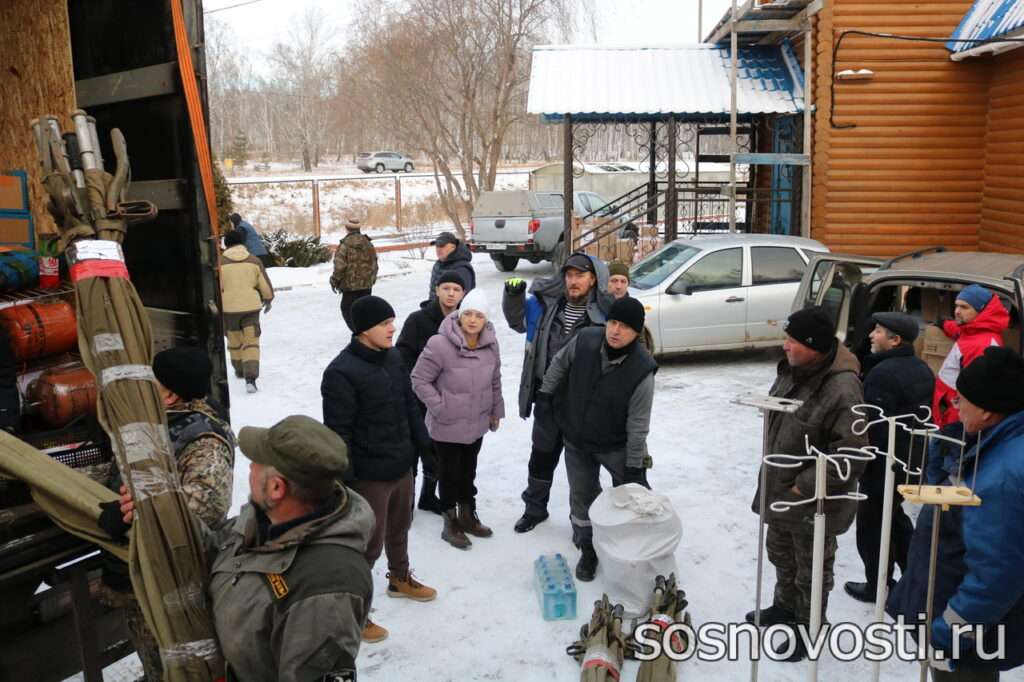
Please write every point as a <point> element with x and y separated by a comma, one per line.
<point>601,663</point>
<point>98,268</point>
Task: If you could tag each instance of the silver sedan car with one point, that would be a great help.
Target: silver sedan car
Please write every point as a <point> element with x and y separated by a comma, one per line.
<point>380,162</point>
<point>720,292</point>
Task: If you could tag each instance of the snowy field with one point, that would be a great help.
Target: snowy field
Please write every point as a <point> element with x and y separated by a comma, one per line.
<point>486,623</point>
<point>278,202</point>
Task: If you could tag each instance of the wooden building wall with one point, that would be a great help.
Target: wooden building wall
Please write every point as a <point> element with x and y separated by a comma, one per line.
<point>1002,204</point>
<point>35,79</point>
<point>910,174</point>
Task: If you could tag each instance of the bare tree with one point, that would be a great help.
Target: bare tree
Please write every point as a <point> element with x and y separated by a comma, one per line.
<point>449,78</point>
<point>304,78</point>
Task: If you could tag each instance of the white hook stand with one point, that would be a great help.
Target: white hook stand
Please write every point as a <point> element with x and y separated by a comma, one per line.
<point>766,404</point>
<point>870,415</point>
<point>842,460</point>
<point>941,497</point>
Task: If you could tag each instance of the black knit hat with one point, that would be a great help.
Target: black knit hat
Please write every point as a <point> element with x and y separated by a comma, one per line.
<point>993,381</point>
<point>184,370</point>
<point>629,312</point>
<point>452,277</point>
<point>370,311</point>
<point>812,327</point>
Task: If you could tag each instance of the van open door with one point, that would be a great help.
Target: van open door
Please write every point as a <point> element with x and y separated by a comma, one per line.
<point>832,281</point>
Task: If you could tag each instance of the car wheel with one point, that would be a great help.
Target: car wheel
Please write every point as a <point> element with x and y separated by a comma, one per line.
<point>408,168</point>
<point>379,168</point>
<point>505,263</point>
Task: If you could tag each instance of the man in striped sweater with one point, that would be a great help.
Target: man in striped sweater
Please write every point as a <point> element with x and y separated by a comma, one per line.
<point>556,309</point>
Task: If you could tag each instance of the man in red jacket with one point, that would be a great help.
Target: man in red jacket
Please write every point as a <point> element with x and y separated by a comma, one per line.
<point>981,319</point>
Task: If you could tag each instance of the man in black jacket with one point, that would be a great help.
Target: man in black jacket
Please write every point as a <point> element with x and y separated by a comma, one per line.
<point>609,380</point>
<point>900,384</point>
<point>368,401</point>
<point>452,256</point>
<point>417,330</point>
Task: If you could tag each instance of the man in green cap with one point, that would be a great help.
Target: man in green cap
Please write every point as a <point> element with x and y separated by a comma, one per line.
<point>289,586</point>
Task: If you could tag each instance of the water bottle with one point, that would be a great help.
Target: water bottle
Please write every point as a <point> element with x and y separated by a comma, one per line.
<point>556,589</point>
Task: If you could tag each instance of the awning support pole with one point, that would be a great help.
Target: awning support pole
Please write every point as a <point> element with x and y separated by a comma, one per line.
<point>734,60</point>
<point>806,173</point>
<point>567,189</point>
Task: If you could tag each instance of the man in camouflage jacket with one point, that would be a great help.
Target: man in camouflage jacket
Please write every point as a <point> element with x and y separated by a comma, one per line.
<point>355,268</point>
<point>204,450</point>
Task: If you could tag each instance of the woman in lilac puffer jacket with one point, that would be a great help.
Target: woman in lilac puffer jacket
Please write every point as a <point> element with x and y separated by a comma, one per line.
<point>458,378</point>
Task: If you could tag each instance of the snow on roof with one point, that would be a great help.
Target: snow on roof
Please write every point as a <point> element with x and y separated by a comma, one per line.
<point>615,83</point>
<point>987,20</point>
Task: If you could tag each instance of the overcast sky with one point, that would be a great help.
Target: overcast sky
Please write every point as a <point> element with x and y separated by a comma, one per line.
<point>656,22</point>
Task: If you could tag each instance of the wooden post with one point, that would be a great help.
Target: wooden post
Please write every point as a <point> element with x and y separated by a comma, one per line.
<point>652,186</point>
<point>82,611</point>
<point>567,183</point>
<point>734,59</point>
<point>806,175</point>
<point>671,196</point>
<point>398,203</point>
<point>316,208</point>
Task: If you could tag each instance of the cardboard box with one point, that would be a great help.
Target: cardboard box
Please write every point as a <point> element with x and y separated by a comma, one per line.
<point>936,342</point>
<point>936,304</point>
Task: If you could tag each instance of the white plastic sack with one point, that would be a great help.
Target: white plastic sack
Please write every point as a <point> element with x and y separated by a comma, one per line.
<point>636,532</point>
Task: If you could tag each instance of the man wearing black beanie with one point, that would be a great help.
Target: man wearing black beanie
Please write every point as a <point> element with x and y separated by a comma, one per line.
<point>822,374</point>
<point>608,382</point>
<point>368,401</point>
<point>980,563</point>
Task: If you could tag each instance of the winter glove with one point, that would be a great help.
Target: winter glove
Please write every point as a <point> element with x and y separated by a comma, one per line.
<point>494,423</point>
<point>514,286</point>
<point>543,402</point>
<point>111,520</point>
<point>636,475</point>
<point>266,307</point>
<point>334,286</point>
<point>941,322</point>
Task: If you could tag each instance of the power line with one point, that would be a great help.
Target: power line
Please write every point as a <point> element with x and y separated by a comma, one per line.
<point>241,4</point>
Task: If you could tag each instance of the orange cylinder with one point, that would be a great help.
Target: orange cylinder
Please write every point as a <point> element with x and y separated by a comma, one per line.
<point>40,329</point>
<point>61,394</point>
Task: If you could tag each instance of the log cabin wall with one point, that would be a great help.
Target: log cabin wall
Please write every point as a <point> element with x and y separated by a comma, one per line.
<point>1002,204</point>
<point>911,173</point>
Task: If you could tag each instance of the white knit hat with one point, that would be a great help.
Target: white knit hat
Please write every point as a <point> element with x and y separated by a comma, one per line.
<point>476,300</point>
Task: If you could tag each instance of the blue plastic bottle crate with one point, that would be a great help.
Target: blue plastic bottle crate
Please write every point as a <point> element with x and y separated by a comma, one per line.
<point>556,589</point>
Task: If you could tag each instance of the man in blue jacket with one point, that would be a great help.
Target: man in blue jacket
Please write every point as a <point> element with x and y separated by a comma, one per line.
<point>980,571</point>
<point>556,309</point>
<point>253,243</point>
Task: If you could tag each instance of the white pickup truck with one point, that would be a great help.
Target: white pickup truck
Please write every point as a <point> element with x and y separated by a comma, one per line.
<point>521,224</point>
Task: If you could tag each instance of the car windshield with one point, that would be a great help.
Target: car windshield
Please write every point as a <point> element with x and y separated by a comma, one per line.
<point>652,271</point>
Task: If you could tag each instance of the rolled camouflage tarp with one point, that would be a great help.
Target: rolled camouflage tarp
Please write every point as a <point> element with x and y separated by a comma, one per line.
<point>165,553</point>
<point>601,648</point>
<point>669,607</point>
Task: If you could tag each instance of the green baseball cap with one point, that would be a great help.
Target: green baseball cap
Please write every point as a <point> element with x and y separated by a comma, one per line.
<point>300,447</point>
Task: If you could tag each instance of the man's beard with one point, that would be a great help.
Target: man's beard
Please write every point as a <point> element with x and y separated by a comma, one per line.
<point>577,300</point>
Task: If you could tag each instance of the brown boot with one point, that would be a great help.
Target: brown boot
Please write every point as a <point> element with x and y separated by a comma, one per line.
<point>452,533</point>
<point>409,588</point>
<point>470,522</point>
<point>373,632</point>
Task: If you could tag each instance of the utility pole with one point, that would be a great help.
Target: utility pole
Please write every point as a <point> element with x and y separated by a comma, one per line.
<point>733,40</point>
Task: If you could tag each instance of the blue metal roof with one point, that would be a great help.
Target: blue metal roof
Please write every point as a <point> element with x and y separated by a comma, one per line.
<point>602,83</point>
<point>987,20</point>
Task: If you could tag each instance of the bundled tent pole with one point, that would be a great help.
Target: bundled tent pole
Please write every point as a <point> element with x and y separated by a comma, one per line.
<point>165,554</point>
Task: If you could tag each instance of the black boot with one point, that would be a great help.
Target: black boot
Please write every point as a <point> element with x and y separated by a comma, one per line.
<point>428,495</point>
<point>586,567</point>
<point>864,592</point>
<point>536,498</point>
<point>773,615</point>
<point>799,651</point>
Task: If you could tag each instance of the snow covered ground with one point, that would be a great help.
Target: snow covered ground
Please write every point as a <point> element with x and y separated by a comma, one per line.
<point>486,623</point>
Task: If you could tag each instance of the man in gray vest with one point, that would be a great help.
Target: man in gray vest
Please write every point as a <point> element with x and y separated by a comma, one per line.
<point>605,410</point>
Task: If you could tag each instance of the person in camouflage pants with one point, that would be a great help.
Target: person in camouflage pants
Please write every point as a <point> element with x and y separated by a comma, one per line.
<point>204,450</point>
<point>355,268</point>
